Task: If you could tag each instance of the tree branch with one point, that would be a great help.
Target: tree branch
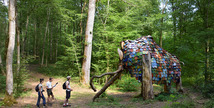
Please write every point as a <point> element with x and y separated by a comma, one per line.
<point>109,73</point>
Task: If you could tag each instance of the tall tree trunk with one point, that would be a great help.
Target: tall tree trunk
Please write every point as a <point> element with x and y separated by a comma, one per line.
<point>58,41</point>
<point>47,49</point>
<point>207,43</point>
<point>88,43</point>
<point>46,30</point>
<point>147,88</point>
<point>9,100</point>
<point>18,43</point>
<point>174,24</point>
<point>161,31</point>
<point>107,51</point>
<point>35,39</point>
<point>51,42</point>
<point>82,9</point>
<point>25,38</point>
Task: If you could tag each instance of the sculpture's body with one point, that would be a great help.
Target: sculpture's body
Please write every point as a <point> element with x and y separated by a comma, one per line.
<point>147,62</point>
<point>165,67</point>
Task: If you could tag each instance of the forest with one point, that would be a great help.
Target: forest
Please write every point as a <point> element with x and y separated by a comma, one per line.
<point>80,38</point>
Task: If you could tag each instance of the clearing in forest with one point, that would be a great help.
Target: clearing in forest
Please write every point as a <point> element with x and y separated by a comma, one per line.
<point>81,96</point>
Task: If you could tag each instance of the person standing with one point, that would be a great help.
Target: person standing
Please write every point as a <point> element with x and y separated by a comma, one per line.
<point>40,94</point>
<point>68,91</point>
<point>49,88</point>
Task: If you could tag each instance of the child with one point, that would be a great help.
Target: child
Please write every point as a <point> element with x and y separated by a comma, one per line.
<point>40,94</point>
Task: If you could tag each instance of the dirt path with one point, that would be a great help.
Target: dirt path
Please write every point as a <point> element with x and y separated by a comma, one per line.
<point>81,97</point>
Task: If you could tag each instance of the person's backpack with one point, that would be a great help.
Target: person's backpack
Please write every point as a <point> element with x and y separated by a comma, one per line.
<point>37,88</point>
<point>64,85</point>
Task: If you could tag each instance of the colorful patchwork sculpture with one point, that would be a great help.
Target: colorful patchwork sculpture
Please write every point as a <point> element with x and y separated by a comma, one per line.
<point>165,67</point>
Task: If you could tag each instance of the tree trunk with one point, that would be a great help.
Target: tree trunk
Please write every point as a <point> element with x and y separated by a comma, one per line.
<point>174,24</point>
<point>207,43</point>
<point>25,38</point>
<point>9,100</point>
<point>18,44</point>
<point>88,43</point>
<point>46,30</point>
<point>107,51</point>
<point>47,49</point>
<point>57,40</point>
<point>35,39</point>
<point>161,31</point>
<point>82,9</point>
<point>147,88</point>
<point>51,42</point>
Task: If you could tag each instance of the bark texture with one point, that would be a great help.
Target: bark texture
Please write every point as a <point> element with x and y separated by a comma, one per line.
<point>88,43</point>
<point>9,100</point>
<point>116,75</point>
<point>147,88</point>
<point>46,30</point>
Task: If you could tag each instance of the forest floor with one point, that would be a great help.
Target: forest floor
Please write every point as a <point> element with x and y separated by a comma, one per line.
<point>81,96</point>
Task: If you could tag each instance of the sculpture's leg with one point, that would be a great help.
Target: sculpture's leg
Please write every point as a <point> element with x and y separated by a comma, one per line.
<point>179,86</point>
<point>166,90</point>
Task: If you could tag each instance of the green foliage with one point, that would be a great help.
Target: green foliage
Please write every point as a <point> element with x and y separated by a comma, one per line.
<point>184,104</point>
<point>140,99</point>
<point>128,83</point>
<point>71,60</point>
<point>209,104</point>
<point>52,70</point>
<point>3,83</point>
<point>106,101</point>
<point>21,77</point>
<point>206,88</point>
<point>168,97</point>
<point>1,103</point>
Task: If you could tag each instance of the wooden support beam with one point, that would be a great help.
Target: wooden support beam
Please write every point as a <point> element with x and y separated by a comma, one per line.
<point>147,88</point>
<point>111,81</point>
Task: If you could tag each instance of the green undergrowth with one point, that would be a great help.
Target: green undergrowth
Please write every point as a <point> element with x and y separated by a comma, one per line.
<point>58,71</point>
<point>169,97</point>
<point>142,101</point>
<point>210,103</point>
<point>128,84</point>
<point>1,103</point>
<point>183,104</point>
<point>51,70</point>
<point>2,84</point>
<point>106,101</point>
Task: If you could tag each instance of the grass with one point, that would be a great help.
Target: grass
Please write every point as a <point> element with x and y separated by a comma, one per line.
<point>140,100</point>
<point>106,101</point>
<point>26,93</point>
<point>183,104</point>
<point>1,98</point>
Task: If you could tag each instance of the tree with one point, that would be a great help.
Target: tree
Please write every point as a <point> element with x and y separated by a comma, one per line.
<point>88,43</point>
<point>9,100</point>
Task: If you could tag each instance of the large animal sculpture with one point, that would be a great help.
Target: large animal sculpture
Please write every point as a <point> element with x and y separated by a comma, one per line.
<point>148,63</point>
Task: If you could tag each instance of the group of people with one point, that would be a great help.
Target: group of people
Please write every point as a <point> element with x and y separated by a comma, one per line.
<point>50,94</point>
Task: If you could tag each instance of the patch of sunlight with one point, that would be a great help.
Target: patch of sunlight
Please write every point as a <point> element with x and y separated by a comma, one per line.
<point>157,89</point>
